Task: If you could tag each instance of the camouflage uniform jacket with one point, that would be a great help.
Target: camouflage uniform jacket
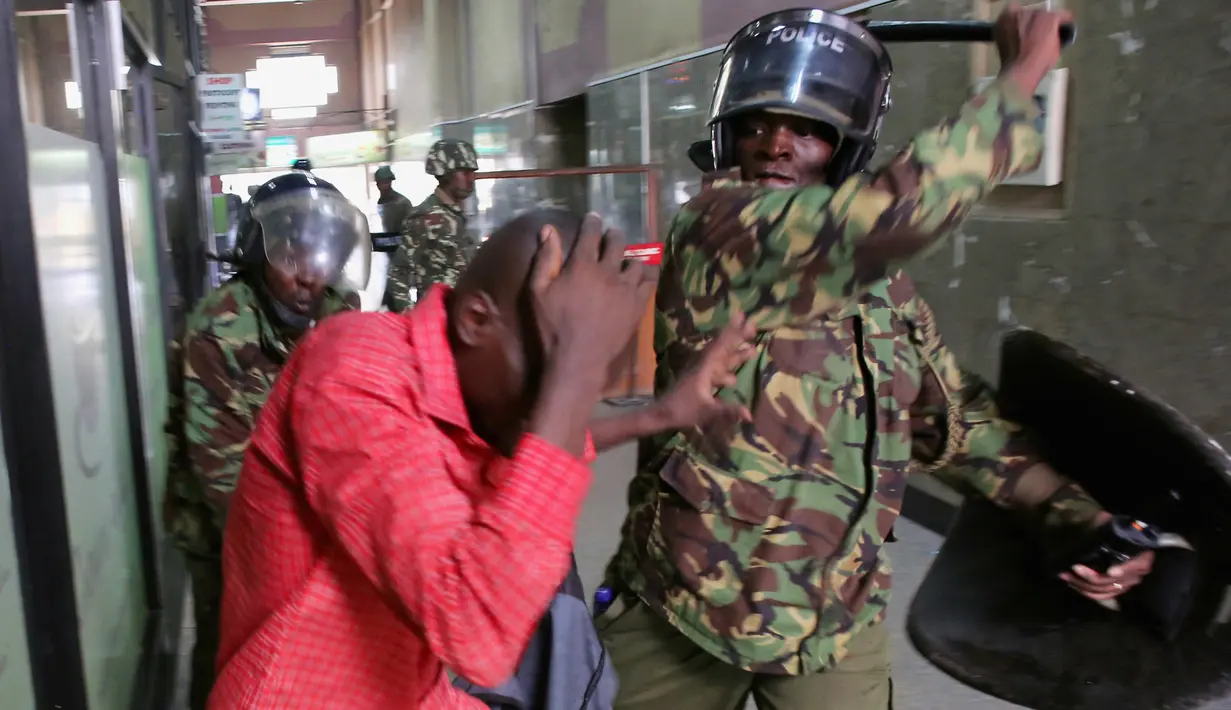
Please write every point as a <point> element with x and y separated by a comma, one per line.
<point>434,249</point>
<point>393,211</point>
<point>763,542</point>
<point>222,369</point>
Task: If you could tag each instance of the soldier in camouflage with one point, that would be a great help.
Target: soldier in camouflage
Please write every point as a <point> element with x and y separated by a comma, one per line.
<point>394,206</point>
<point>292,247</point>
<point>753,561</point>
<point>435,246</point>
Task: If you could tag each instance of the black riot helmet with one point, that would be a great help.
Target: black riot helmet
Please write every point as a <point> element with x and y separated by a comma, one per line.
<point>809,63</point>
<point>298,221</point>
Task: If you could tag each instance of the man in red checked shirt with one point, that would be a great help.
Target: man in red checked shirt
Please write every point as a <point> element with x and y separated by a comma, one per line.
<point>410,494</point>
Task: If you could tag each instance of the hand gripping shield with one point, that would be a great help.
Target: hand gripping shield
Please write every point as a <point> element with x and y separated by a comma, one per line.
<point>993,615</point>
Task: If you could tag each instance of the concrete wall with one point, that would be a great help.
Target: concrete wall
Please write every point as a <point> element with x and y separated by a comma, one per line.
<point>583,40</point>
<point>1127,265</point>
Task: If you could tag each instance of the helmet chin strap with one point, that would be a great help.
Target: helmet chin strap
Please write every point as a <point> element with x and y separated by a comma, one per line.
<point>289,318</point>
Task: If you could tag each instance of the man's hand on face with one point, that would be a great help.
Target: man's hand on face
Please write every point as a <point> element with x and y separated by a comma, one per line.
<point>691,401</point>
<point>1117,580</point>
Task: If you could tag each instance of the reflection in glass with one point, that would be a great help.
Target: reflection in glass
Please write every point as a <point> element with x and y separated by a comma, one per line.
<point>49,87</point>
<point>130,139</point>
<point>613,113</point>
<point>175,190</point>
<point>78,298</point>
<point>499,201</point>
<point>679,108</point>
<point>502,141</point>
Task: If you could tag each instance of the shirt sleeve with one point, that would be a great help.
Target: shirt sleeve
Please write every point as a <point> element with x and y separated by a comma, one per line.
<point>788,256</point>
<point>474,572</point>
<point>987,454</point>
<point>218,420</point>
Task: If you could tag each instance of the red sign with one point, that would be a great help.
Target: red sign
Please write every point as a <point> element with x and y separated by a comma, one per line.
<point>651,253</point>
<point>217,80</point>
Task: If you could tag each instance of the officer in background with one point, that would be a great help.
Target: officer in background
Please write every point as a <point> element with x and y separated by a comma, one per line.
<point>394,206</point>
<point>300,246</point>
<point>753,557</point>
<point>435,246</point>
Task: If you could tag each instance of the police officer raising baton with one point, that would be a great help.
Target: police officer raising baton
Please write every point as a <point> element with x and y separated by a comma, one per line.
<point>753,559</point>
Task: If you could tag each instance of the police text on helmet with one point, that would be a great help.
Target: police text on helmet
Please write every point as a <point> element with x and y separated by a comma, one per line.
<point>807,35</point>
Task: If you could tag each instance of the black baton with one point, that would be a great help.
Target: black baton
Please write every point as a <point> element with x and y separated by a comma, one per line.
<point>947,31</point>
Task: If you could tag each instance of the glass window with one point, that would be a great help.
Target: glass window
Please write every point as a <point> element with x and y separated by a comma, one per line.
<point>502,142</point>
<point>131,132</point>
<point>77,285</point>
<point>140,14</point>
<point>173,53</point>
<point>679,110</point>
<point>613,118</point>
<point>176,190</point>
<point>48,80</point>
<point>146,288</point>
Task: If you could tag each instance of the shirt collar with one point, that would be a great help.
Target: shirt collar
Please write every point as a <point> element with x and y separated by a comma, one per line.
<point>440,387</point>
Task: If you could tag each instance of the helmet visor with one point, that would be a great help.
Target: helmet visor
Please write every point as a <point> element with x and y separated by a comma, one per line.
<point>816,65</point>
<point>315,233</point>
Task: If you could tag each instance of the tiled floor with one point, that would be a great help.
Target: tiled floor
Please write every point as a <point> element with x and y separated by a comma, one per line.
<point>918,685</point>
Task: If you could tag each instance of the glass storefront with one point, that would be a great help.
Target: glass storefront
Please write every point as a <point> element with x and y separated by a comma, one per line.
<point>615,137</point>
<point>502,141</point>
<point>679,99</point>
<point>649,117</point>
<point>99,168</point>
<point>78,286</point>
<point>177,195</point>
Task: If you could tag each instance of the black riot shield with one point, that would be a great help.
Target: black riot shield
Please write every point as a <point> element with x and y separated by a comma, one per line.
<point>990,614</point>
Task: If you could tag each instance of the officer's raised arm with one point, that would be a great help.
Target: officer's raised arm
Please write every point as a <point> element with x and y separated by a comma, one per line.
<point>784,253</point>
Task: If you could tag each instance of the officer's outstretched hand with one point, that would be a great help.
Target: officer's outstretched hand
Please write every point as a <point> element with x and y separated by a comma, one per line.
<point>691,401</point>
<point>1118,580</point>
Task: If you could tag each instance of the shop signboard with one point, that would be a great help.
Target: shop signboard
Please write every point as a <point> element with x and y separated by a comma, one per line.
<point>342,149</point>
<point>491,139</point>
<point>281,151</point>
<point>221,99</point>
<point>650,252</point>
<point>228,163</point>
<point>234,144</point>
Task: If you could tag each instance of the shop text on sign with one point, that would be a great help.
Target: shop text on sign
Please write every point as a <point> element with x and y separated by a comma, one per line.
<point>651,252</point>
<point>219,96</point>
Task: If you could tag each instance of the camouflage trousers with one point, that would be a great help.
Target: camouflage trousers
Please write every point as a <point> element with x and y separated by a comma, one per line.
<point>206,576</point>
<point>658,667</point>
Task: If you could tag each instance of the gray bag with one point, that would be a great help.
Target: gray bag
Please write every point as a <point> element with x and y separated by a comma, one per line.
<point>565,666</point>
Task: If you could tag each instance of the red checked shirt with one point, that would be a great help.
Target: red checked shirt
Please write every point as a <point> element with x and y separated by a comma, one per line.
<point>375,539</point>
